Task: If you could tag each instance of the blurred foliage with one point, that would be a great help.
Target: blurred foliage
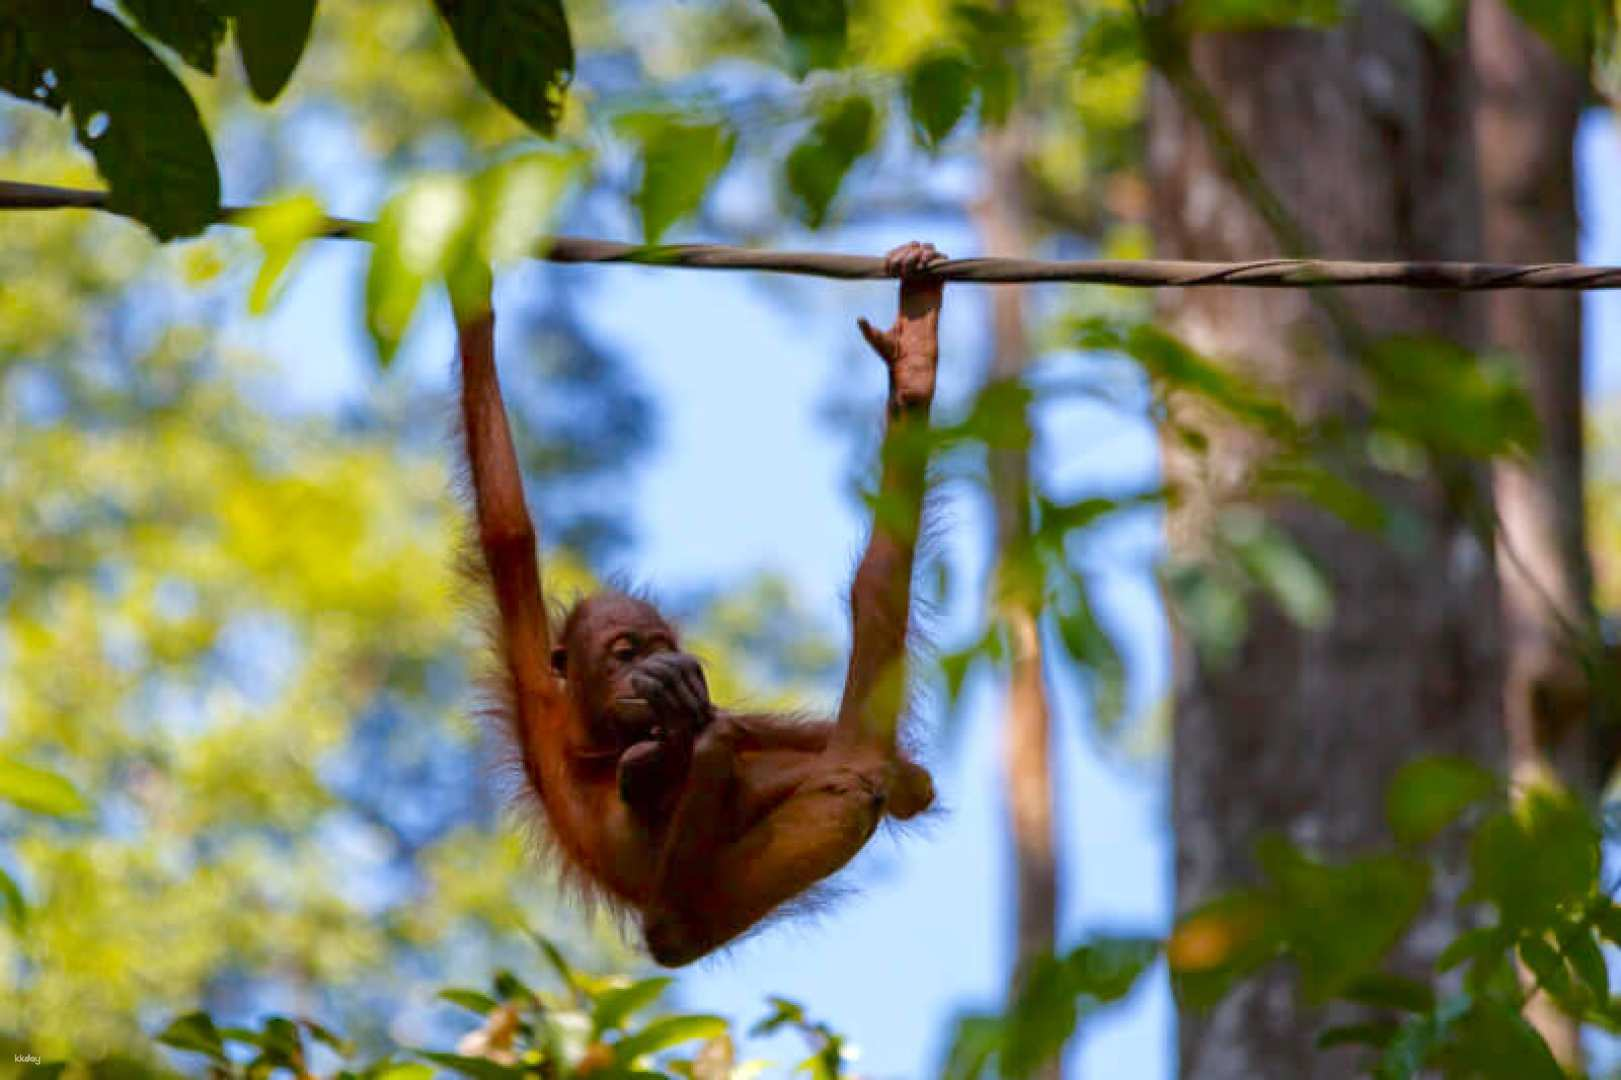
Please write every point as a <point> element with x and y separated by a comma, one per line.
<point>588,1026</point>
<point>233,770</point>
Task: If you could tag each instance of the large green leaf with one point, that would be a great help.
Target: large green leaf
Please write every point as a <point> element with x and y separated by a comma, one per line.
<point>1536,859</point>
<point>665,1033</point>
<point>1427,795</point>
<point>417,236</point>
<point>1339,921</point>
<point>130,111</point>
<point>38,790</point>
<point>192,28</point>
<point>680,159</point>
<point>614,1007</point>
<point>939,89</point>
<point>816,167</point>
<point>270,37</point>
<point>816,31</point>
<point>521,52</point>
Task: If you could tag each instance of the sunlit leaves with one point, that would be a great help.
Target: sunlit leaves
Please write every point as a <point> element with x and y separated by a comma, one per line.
<point>415,239</point>
<point>679,160</point>
<point>1428,794</point>
<point>667,1032</point>
<point>446,227</point>
<point>281,228</point>
<point>192,28</point>
<point>39,790</point>
<point>939,89</point>
<point>521,52</point>
<point>815,29</point>
<point>616,1005</point>
<point>129,110</point>
<point>270,37</point>
<point>816,166</point>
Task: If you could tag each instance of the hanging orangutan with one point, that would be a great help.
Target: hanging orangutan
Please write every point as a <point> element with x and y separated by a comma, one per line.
<point>699,820</point>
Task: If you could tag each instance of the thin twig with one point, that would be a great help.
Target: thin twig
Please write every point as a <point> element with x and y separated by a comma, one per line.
<point>1131,273</point>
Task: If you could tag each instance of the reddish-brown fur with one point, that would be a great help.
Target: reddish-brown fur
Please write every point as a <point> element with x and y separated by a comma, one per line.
<point>702,821</point>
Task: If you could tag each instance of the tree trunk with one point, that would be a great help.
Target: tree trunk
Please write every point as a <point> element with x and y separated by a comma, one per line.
<point>1003,223</point>
<point>1528,103</point>
<point>1364,134</point>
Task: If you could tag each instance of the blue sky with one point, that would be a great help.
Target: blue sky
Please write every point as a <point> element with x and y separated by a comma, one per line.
<point>749,475</point>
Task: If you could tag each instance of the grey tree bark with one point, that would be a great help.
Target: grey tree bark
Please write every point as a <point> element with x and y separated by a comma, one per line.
<point>1528,105</point>
<point>1364,132</point>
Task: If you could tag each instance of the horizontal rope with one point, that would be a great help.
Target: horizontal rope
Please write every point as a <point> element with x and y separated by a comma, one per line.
<point>1132,273</point>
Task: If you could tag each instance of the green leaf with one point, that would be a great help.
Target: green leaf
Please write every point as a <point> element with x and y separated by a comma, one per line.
<point>816,166</point>
<point>975,1042</point>
<point>415,240</point>
<point>1280,566</point>
<point>327,1037</point>
<point>614,1007</point>
<point>1339,921</point>
<point>130,111</point>
<point>518,200</point>
<point>665,1033</point>
<point>196,1033</point>
<point>1478,943</point>
<point>477,1068</point>
<point>816,31</point>
<point>192,28</point>
<point>1427,795</point>
<point>281,228</point>
<point>939,89</point>
<point>22,72</point>
<point>1221,942</point>
<point>1419,1038</point>
<point>678,161</point>
<point>11,899</point>
<point>1386,991</point>
<point>1547,965</point>
<point>1442,19</point>
<point>1492,1039</point>
<point>1438,394</point>
<point>1536,858</point>
<point>1568,25</point>
<point>520,51</point>
<point>40,791</point>
<point>1582,952</point>
<point>471,1000</point>
<point>1376,1034</point>
<point>1088,644</point>
<point>270,38</point>
<point>783,1013</point>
